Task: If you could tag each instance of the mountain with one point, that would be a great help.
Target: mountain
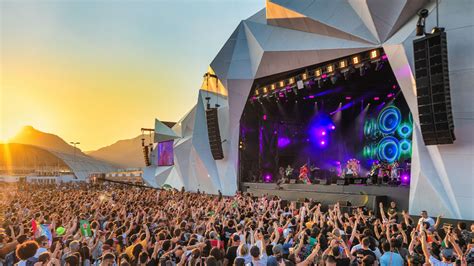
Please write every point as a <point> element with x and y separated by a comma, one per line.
<point>125,153</point>
<point>32,136</point>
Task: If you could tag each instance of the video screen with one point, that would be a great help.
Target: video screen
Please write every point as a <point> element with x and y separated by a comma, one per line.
<point>165,153</point>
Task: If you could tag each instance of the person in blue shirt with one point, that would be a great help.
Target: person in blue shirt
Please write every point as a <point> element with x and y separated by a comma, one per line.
<point>389,257</point>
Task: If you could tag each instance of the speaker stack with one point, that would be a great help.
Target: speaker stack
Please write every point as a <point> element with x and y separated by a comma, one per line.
<point>214,134</point>
<point>433,92</point>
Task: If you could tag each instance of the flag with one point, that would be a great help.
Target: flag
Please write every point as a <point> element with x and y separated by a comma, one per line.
<point>85,228</point>
<point>34,226</point>
<point>45,231</point>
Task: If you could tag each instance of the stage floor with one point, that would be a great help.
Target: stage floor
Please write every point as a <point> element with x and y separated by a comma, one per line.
<point>329,194</point>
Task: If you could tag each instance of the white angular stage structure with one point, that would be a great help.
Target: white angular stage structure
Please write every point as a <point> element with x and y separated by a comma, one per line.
<point>289,35</point>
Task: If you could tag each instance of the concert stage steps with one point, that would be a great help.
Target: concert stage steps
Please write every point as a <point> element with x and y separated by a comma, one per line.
<point>329,194</point>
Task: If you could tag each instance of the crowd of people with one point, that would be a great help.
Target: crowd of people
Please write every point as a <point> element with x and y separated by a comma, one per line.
<point>121,225</point>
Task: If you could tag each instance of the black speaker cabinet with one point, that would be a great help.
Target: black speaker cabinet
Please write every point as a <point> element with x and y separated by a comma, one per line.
<point>432,86</point>
<point>214,134</point>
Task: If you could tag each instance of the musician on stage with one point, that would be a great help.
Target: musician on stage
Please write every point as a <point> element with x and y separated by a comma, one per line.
<point>281,177</point>
<point>374,172</point>
<point>288,172</point>
<point>394,176</point>
<point>304,174</point>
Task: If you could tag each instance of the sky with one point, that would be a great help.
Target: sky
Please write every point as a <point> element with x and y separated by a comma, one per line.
<point>97,71</point>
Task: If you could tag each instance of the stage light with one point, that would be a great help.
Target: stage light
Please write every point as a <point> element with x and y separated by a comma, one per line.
<point>394,86</point>
<point>420,24</point>
<point>374,54</point>
<point>265,90</point>
<point>323,133</point>
<point>379,65</point>
<point>318,72</point>
<point>282,83</point>
<point>291,81</point>
<point>348,98</point>
<point>264,117</point>
<point>273,87</point>
<point>390,95</point>
<point>376,98</point>
<point>304,76</point>
<point>355,60</point>
<point>333,127</point>
<point>330,68</point>
<point>256,92</point>
<point>311,97</point>
<point>320,83</point>
<point>348,72</point>
<point>384,57</point>
<point>364,68</point>
<point>343,64</point>
<point>267,178</point>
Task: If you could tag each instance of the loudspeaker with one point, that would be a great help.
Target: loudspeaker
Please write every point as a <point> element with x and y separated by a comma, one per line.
<point>342,182</point>
<point>214,134</point>
<point>432,86</point>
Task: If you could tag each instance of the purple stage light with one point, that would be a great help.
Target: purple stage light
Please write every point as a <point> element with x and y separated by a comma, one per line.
<point>394,86</point>
<point>376,98</point>
<point>323,133</point>
<point>322,142</point>
<point>333,127</point>
<point>384,57</point>
<point>390,95</point>
<point>283,142</point>
<point>264,117</point>
<point>267,178</point>
<point>324,76</point>
<point>311,96</point>
<point>348,97</point>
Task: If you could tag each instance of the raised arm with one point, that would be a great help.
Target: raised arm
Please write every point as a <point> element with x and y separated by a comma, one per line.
<point>424,246</point>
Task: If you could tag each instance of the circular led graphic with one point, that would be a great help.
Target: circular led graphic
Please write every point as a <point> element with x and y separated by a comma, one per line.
<point>389,119</point>
<point>404,130</point>
<point>388,149</point>
<point>405,146</point>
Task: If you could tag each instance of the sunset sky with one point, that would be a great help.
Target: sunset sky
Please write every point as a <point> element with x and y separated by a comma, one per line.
<point>98,71</point>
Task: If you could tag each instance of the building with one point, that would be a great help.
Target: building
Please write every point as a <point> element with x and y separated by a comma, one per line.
<point>289,35</point>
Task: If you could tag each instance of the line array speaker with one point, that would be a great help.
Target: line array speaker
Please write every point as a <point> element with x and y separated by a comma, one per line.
<point>214,134</point>
<point>432,86</point>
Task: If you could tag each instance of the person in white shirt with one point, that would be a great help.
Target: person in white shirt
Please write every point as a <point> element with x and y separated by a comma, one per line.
<point>426,219</point>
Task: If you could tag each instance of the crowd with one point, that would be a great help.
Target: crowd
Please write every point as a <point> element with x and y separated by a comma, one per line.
<point>121,225</point>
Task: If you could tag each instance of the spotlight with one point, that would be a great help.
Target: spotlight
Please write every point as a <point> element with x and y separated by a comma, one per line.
<point>420,25</point>
<point>364,68</point>
<point>355,60</point>
<point>318,72</point>
<point>320,83</point>
<point>334,78</point>
<point>348,98</point>
<point>343,64</point>
<point>273,87</point>
<point>376,98</point>
<point>333,127</point>
<point>330,68</point>
<point>304,76</point>
<point>374,54</point>
<point>256,92</point>
<point>265,90</point>
<point>348,72</point>
<point>282,83</point>
<point>379,65</point>
<point>291,81</point>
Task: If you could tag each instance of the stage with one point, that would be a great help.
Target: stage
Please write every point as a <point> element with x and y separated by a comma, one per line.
<point>357,195</point>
